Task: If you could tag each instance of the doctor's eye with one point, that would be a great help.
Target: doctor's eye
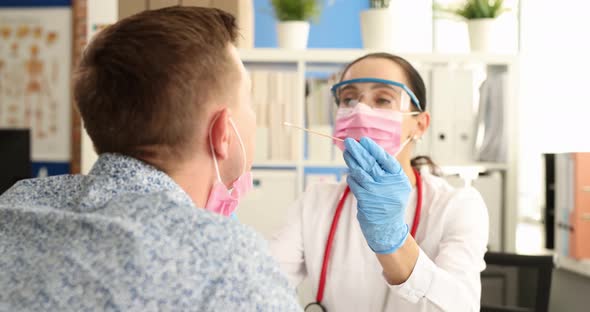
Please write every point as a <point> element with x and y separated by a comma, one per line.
<point>383,102</point>
<point>348,101</point>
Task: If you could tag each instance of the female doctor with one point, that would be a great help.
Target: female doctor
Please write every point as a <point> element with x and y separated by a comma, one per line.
<point>389,238</point>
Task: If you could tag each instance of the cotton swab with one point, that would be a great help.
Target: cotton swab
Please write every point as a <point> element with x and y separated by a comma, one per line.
<point>401,148</point>
<point>288,124</point>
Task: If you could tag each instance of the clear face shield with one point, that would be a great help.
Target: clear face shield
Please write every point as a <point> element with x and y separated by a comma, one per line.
<point>375,93</point>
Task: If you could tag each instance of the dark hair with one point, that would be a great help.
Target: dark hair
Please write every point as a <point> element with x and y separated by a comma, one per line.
<point>415,81</point>
<point>416,84</point>
<point>143,81</point>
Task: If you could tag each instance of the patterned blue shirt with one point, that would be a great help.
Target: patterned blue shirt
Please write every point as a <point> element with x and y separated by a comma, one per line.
<point>126,237</point>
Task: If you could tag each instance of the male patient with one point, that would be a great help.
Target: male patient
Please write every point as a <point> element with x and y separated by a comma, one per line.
<point>166,102</point>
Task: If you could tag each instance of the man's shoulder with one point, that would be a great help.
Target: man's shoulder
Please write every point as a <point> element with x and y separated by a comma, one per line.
<point>249,278</point>
<point>225,261</point>
<point>147,245</point>
<point>168,216</point>
<point>210,261</point>
<point>83,197</point>
<point>36,187</point>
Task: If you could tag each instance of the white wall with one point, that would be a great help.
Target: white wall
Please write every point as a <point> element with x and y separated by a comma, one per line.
<point>100,12</point>
<point>555,108</point>
<point>555,75</point>
<point>555,79</point>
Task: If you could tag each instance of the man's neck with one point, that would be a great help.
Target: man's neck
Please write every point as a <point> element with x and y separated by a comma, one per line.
<point>195,178</point>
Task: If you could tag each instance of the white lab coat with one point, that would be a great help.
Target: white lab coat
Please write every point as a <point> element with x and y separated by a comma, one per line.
<point>452,234</point>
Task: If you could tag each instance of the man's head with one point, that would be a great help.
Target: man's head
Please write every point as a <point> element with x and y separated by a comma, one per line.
<point>152,85</point>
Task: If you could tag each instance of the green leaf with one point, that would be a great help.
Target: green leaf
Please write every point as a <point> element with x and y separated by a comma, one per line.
<point>296,10</point>
<point>379,4</point>
<point>497,8</point>
<point>474,9</point>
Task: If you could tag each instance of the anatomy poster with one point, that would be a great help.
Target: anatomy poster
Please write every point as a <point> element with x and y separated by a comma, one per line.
<point>35,66</point>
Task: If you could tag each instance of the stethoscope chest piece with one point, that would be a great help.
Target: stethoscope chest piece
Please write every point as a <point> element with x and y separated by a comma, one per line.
<point>315,307</point>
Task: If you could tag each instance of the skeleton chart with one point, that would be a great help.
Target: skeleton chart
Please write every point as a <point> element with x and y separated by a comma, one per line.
<point>35,65</point>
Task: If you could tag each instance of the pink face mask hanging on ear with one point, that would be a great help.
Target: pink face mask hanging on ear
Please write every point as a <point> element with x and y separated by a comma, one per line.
<point>221,200</point>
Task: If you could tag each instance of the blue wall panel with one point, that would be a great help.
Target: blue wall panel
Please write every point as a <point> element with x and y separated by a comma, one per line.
<point>50,168</point>
<point>337,27</point>
<point>34,3</point>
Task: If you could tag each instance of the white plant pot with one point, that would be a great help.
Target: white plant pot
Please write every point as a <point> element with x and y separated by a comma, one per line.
<point>482,35</point>
<point>450,36</point>
<point>293,35</point>
<point>377,29</point>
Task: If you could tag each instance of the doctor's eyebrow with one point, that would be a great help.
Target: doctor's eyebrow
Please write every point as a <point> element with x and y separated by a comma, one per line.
<point>348,87</point>
<point>383,85</point>
<point>374,86</point>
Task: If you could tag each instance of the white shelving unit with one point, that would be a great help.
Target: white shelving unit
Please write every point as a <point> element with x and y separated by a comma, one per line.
<point>106,12</point>
<point>343,56</point>
<point>332,60</point>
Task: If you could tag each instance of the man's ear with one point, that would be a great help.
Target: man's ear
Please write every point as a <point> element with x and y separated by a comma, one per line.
<point>220,134</point>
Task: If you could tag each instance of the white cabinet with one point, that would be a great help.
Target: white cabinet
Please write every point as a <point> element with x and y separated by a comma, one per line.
<point>265,207</point>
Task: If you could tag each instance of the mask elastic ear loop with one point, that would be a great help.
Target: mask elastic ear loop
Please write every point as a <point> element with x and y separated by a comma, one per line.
<point>213,150</point>
<point>401,148</point>
<point>241,144</point>
<point>406,142</point>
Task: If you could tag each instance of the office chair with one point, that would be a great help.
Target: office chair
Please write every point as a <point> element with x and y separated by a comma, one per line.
<point>516,283</point>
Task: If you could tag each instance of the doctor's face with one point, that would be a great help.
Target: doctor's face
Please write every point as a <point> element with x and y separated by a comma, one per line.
<point>382,68</point>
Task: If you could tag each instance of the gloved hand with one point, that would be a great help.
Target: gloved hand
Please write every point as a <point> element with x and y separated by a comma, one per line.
<point>382,189</point>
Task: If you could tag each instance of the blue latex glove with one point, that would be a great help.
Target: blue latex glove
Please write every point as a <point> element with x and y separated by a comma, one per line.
<point>382,189</point>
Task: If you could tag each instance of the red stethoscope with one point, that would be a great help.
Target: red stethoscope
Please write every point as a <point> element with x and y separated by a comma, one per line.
<point>317,305</point>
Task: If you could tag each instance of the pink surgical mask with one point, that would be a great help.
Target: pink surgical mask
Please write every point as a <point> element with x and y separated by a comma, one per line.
<point>384,126</point>
<point>221,200</point>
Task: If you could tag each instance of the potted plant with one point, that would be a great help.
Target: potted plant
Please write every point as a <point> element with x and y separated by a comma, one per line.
<point>377,26</point>
<point>481,21</point>
<point>293,21</point>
